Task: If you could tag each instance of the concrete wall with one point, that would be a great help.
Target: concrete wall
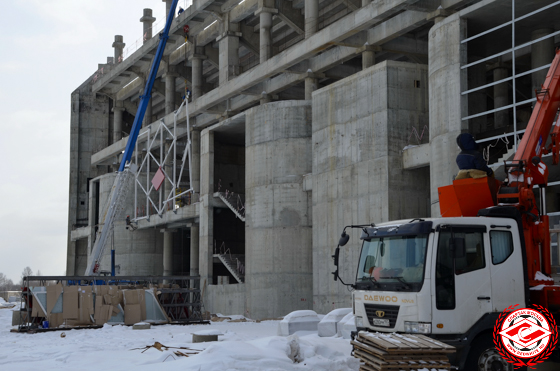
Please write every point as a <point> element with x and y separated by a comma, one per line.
<point>360,126</point>
<point>446,54</point>
<point>138,252</point>
<point>278,226</point>
<point>225,299</point>
<point>89,119</point>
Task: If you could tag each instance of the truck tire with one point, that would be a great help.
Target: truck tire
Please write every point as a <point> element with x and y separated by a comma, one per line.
<point>483,356</point>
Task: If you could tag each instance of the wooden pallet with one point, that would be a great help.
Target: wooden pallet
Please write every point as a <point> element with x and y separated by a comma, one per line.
<point>392,352</point>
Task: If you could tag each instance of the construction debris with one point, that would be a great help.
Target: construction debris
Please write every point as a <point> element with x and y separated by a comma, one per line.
<point>181,353</point>
<point>387,352</point>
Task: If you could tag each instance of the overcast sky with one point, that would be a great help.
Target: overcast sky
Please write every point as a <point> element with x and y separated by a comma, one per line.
<point>47,49</point>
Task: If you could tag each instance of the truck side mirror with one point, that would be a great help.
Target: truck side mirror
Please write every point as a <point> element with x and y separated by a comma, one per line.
<point>457,246</point>
<point>343,238</point>
<point>335,256</point>
<point>335,274</point>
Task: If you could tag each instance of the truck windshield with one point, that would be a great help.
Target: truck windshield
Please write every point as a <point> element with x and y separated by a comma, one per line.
<point>393,259</point>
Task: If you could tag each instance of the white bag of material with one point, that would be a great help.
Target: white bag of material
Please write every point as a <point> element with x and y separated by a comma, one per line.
<point>346,326</point>
<point>300,320</point>
<point>328,325</point>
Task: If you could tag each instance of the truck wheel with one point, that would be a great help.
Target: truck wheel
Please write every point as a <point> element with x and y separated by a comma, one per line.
<point>484,357</point>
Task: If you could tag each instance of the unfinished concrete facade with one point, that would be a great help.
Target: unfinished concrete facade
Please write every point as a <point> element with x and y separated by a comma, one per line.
<point>306,116</point>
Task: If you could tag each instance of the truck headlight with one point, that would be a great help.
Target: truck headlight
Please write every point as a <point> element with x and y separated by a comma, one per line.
<point>417,327</point>
<point>359,321</point>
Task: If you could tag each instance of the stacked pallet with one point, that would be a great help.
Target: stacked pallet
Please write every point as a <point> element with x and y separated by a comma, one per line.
<point>391,352</point>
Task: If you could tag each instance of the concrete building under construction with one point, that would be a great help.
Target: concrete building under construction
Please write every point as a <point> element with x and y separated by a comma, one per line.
<point>305,116</point>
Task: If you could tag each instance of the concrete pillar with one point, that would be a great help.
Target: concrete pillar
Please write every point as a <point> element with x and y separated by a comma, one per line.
<point>167,7</point>
<point>206,233</point>
<point>147,20</point>
<point>446,55</point>
<point>265,34</point>
<point>167,253</point>
<point>118,46</point>
<point>542,53</point>
<point>197,61</point>
<point>229,52</point>
<point>368,59</point>
<point>195,151</point>
<point>118,110</point>
<point>501,98</point>
<point>311,17</point>
<point>310,87</point>
<point>195,256</point>
<point>169,78</point>
<point>278,275</point>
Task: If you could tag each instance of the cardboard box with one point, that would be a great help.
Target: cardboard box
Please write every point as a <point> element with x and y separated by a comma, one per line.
<point>70,302</point>
<point>53,294</point>
<point>132,314</point>
<point>36,310</point>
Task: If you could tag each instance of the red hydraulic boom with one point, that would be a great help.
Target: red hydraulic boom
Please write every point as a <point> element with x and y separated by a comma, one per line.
<point>466,196</point>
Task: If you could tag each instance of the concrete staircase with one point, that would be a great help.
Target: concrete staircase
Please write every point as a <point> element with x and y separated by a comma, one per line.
<point>498,165</point>
<point>232,262</point>
<point>223,197</point>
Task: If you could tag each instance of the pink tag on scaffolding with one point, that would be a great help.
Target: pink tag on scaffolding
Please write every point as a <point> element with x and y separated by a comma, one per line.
<point>158,179</point>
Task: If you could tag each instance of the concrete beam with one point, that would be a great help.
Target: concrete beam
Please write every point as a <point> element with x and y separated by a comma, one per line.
<point>396,26</point>
<point>79,233</point>
<point>338,31</point>
<point>415,157</point>
<point>243,10</point>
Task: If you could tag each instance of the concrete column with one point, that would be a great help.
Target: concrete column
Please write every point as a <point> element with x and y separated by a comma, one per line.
<point>206,242</point>
<point>118,110</point>
<point>265,34</point>
<point>368,59</point>
<point>147,20</point>
<point>310,87</point>
<point>501,97</point>
<point>169,78</point>
<point>278,244</point>
<point>118,46</point>
<point>541,53</point>
<point>311,17</point>
<point>229,52</point>
<point>446,55</point>
<point>167,253</point>
<point>194,271</point>
<point>167,7</point>
<point>197,62</point>
<point>195,151</point>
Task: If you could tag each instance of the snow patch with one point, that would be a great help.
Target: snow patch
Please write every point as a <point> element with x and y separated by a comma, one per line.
<point>541,277</point>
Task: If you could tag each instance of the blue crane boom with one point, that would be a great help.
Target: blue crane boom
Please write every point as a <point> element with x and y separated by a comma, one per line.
<point>145,98</point>
<point>120,186</point>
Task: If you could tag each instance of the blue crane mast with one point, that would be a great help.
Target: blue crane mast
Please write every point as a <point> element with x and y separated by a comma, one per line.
<point>125,172</point>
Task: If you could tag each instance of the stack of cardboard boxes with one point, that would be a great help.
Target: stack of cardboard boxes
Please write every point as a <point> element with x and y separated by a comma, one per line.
<point>73,306</point>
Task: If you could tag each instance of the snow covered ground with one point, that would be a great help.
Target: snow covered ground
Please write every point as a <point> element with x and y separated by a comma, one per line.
<point>243,346</point>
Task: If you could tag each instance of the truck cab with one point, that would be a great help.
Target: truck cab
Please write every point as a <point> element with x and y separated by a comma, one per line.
<point>448,278</point>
